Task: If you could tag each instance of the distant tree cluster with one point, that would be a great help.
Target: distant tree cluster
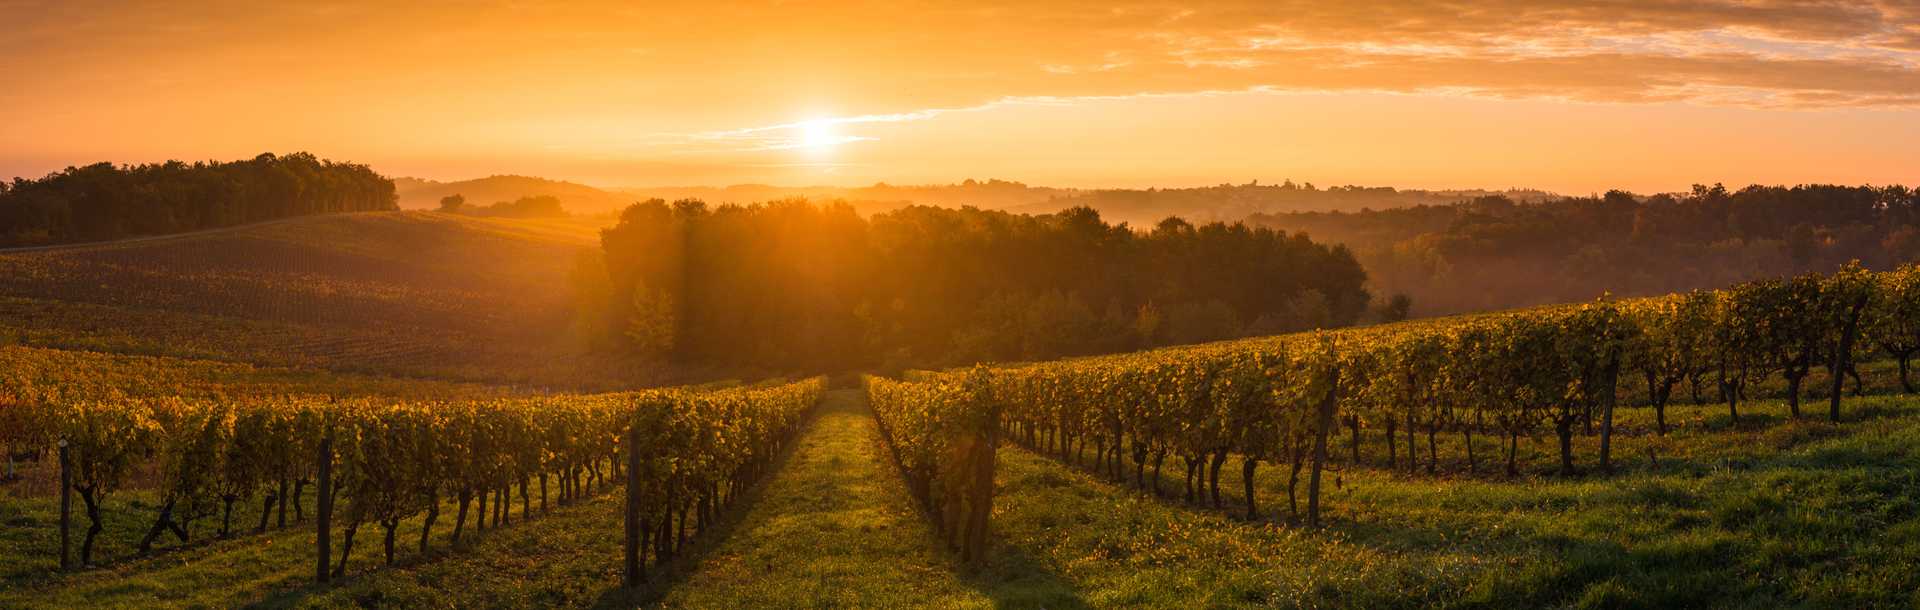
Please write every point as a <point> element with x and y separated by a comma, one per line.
<point>104,201</point>
<point>532,206</point>
<point>1238,201</point>
<point>1492,252</point>
<point>800,286</point>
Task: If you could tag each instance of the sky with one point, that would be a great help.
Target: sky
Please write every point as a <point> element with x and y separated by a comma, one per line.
<point>1575,97</point>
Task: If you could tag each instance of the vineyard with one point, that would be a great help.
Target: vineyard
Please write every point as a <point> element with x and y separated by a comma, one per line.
<point>400,293</point>
<point>682,453</point>
<point>1498,377</point>
<point>1640,452</point>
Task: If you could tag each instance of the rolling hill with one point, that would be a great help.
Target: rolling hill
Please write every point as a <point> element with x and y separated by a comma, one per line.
<point>415,294</point>
<point>882,197</point>
<point>418,194</point>
<point>1137,207</point>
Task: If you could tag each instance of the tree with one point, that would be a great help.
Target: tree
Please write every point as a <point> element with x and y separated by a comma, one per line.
<point>796,285</point>
<point>453,204</point>
<point>1397,308</point>
<point>103,201</point>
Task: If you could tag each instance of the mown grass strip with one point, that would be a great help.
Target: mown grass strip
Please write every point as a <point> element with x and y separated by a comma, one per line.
<point>835,528</point>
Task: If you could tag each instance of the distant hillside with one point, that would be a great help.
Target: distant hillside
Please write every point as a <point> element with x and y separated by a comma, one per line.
<point>417,194</point>
<point>1495,253</point>
<point>1137,207</point>
<point>1228,202</point>
<point>990,194</point>
<point>398,293</point>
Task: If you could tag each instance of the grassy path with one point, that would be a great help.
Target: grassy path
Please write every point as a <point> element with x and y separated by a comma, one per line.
<point>834,528</point>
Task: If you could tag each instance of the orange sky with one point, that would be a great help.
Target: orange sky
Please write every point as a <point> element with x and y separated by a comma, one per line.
<point>1574,96</point>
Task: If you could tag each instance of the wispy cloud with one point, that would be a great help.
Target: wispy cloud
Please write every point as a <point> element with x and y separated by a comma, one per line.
<point>817,132</point>
<point>1772,54</point>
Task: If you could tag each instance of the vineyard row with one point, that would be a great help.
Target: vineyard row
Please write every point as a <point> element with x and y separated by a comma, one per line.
<point>684,452</point>
<point>1506,375</point>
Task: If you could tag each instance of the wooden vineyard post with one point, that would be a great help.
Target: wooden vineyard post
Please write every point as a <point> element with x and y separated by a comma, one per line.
<point>324,511</point>
<point>634,573</point>
<point>66,508</point>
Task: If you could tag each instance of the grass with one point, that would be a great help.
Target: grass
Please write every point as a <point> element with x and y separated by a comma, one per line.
<point>835,528</point>
<point>1763,515</point>
<point>569,560</point>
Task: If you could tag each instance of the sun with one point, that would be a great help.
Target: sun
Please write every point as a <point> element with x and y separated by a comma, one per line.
<point>817,135</point>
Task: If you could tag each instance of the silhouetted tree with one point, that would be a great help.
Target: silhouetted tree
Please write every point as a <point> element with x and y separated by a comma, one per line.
<point>795,285</point>
<point>103,201</point>
<point>532,206</point>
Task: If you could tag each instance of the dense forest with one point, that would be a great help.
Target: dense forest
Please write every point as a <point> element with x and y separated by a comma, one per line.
<point>796,285</point>
<point>104,201</point>
<point>1493,252</point>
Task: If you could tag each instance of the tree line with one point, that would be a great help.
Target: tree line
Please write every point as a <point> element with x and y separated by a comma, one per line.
<point>795,285</point>
<point>1495,252</point>
<point>104,201</point>
<point>1500,376</point>
<point>1238,201</point>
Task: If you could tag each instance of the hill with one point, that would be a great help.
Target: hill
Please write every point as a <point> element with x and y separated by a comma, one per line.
<point>1498,252</point>
<point>418,194</point>
<point>868,200</point>
<point>1137,207</point>
<point>1230,202</point>
<point>399,293</point>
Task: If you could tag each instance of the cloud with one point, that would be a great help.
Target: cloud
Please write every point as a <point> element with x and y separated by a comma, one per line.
<point>1780,54</point>
<point>683,78</point>
<point>1771,54</point>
